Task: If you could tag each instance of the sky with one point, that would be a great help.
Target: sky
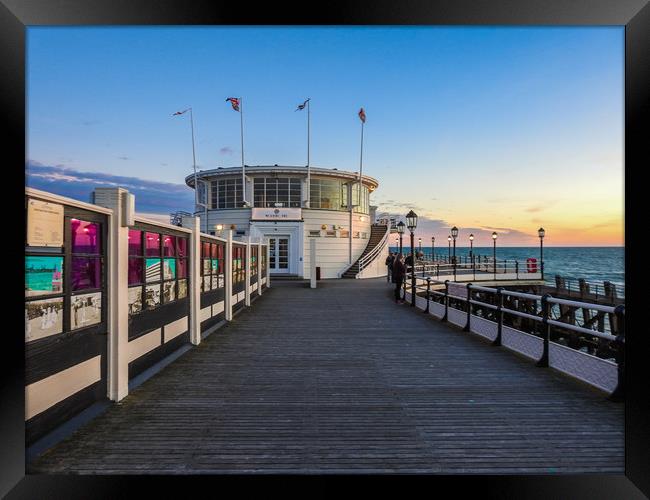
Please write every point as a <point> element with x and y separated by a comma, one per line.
<point>486,128</point>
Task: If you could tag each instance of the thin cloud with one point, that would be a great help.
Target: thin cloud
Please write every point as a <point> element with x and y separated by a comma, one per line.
<point>226,150</point>
<point>151,196</point>
<point>123,158</point>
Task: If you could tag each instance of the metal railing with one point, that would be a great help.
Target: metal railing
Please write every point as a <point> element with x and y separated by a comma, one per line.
<point>483,270</point>
<point>543,318</point>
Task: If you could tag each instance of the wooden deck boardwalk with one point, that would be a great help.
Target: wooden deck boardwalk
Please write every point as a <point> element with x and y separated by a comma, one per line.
<point>340,379</point>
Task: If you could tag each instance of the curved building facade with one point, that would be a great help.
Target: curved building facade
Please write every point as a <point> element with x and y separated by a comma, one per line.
<point>289,207</point>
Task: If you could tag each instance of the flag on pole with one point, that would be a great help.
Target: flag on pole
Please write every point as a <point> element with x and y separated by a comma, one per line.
<point>302,106</point>
<point>235,103</point>
<point>181,112</point>
<point>362,115</point>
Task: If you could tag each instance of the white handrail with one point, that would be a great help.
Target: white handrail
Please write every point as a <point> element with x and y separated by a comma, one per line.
<point>370,256</point>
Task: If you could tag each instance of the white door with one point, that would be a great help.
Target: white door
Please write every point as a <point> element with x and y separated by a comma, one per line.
<point>279,255</point>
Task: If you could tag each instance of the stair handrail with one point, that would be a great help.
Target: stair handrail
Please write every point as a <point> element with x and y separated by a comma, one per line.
<point>372,254</point>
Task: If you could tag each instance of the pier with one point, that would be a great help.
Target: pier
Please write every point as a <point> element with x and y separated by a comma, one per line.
<point>183,353</point>
<point>341,379</point>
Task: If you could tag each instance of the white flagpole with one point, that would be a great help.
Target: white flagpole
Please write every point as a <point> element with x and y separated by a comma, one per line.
<point>196,186</point>
<point>361,163</point>
<point>308,165</point>
<point>243,173</point>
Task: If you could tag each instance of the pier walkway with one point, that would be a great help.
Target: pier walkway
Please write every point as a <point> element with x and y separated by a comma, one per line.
<point>341,379</point>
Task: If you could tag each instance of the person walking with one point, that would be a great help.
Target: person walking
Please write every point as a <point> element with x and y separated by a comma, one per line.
<point>399,273</point>
<point>389,264</point>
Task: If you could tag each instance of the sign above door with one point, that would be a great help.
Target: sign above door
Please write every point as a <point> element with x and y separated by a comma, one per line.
<point>276,214</point>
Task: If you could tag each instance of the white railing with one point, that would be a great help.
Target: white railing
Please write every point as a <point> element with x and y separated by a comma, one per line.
<point>372,254</point>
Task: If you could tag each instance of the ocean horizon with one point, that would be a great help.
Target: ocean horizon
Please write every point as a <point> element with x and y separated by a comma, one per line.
<point>594,264</point>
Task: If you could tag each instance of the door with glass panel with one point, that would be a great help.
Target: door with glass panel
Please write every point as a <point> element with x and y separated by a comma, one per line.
<point>279,255</point>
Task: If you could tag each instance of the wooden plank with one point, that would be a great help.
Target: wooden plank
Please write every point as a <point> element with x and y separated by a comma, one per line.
<point>341,379</point>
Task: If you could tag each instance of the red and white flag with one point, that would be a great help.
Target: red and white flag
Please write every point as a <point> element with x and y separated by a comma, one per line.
<point>181,112</point>
<point>362,115</point>
<point>235,103</point>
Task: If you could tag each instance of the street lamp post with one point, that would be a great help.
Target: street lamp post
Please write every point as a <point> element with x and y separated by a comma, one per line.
<point>454,234</point>
<point>449,254</point>
<point>471,247</point>
<point>471,250</point>
<point>419,245</point>
<point>494,252</point>
<point>400,230</point>
<point>433,253</point>
<point>541,233</point>
<point>411,223</point>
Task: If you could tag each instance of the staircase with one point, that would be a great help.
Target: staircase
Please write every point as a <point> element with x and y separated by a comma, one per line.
<point>378,233</point>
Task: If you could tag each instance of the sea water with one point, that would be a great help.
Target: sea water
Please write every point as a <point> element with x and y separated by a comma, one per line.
<point>594,264</point>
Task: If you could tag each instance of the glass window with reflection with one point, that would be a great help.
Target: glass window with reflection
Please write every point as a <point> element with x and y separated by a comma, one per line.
<point>212,265</point>
<point>157,269</point>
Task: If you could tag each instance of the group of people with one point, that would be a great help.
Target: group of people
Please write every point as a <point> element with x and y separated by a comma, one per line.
<point>397,268</point>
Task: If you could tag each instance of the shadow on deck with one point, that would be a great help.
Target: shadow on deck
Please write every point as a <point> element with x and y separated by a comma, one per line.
<point>341,379</point>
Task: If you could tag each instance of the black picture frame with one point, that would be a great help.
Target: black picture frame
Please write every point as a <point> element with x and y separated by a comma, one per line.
<point>16,15</point>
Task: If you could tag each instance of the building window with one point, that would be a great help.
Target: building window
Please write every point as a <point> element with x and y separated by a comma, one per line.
<point>238,264</point>
<point>325,194</point>
<point>157,270</point>
<point>212,265</point>
<point>362,206</point>
<point>227,193</point>
<point>71,275</point>
<point>253,259</point>
<point>277,192</point>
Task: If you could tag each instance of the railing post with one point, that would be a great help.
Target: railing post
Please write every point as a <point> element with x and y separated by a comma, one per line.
<point>247,273</point>
<point>517,268</point>
<point>194,289</point>
<point>312,263</point>
<point>444,318</point>
<point>428,293</point>
<point>228,284</point>
<point>497,340</point>
<point>117,289</point>
<point>413,291</point>
<point>267,271</point>
<point>619,392</point>
<point>260,271</point>
<point>469,308</point>
<point>546,330</point>
<point>404,289</point>
<point>437,270</point>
